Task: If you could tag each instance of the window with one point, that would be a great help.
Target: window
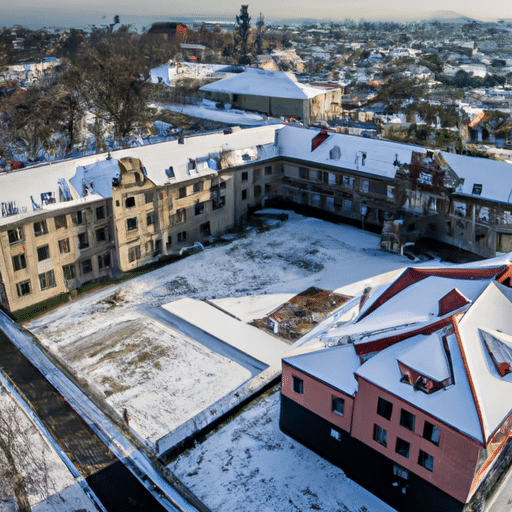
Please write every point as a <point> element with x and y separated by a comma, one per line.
<point>134,253</point>
<point>23,288</point>
<point>15,235</point>
<point>407,420</point>
<point>60,222</point>
<point>199,208</point>
<point>268,170</point>
<point>170,172</point>
<point>80,217</point>
<point>336,434</point>
<point>218,202</point>
<point>205,228</point>
<point>69,272</point>
<point>43,253</point>
<point>182,236</point>
<point>148,197</point>
<point>384,408</point>
<point>402,447</point>
<point>198,187</point>
<point>257,191</point>
<point>86,266</point>
<point>131,224</point>
<point>244,195</point>
<point>256,175</point>
<point>365,186</point>
<point>101,235</point>
<point>297,385</point>
<point>348,181</point>
<point>181,215</point>
<point>83,241</point>
<point>47,280</point>
<point>100,212</point>
<point>182,192</point>
<point>426,460</point>
<point>129,202</point>
<point>337,405</point>
<point>104,260</point>
<point>148,247</point>
<point>64,246</point>
<point>169,240</point>
<point>150,218</point>
<point>380,435</point>
<point>40,228</point>
<point>477,189</point>
<point>431,433</point>
<point>303,173</point>
<point>158,247</point>
<point>19,262</point>
<point>245,175</point>
<point>400,472</point>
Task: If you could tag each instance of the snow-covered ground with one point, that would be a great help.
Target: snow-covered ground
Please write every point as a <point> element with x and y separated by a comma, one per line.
<point>133,351</point>
<point>257,468</point>
<point>50,485</point>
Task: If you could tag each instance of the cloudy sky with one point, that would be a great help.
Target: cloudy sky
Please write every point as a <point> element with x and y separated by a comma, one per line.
<point>48,10</point>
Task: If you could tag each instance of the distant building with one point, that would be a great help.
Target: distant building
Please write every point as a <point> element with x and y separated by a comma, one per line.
<point>277,94</point>
<point>413,397</point>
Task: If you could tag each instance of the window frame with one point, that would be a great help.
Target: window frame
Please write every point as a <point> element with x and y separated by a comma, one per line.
<point>43,230</point>
<point>47,280</point>
<point>402,447</point>
<point>427,426</point>
<point>69,272</point>
<point>297,385</point>
<point>43,252</point>
<point>100,212</point>
<point>63,245</point>
<point>129,202</point>
<point>83,240</point>
<point>132,224</point>
<point>19,262</point>
<point>15,235</point>
<point>407,419</point>
<point>380,435</point>
<point>336,400</point>
<point>425,460</point>
<point>60,221</point>
<point>86,267</point>
<point>384,408</point>
<point>20,288</point>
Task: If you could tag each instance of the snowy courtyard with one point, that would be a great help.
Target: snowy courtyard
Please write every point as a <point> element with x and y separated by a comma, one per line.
<point>122,342</point>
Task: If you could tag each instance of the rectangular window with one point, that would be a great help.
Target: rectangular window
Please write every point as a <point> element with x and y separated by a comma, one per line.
<point>134,253</point>
<point>19,262</point>
<point>182,236</point>
<point>348,181</point>
<point>23,288</point>
<point>384,408</point>
<point>61,222</point>
<point>199,208</point>
<point>40,228</point>
<point>104,260</point>
<point>43,253</point>
<point>198,187</point>
<point>182,192</point>
<point>380,435</point>
<point>402,447</point>
<point>86,266</point>
<point>69,272</point>
<point>244,195</point>
<point>150,218</point>
<point>407,420</point>
<point>64,246</point>
<point>400,472</point>
<point>83,241</point>
<point>169,240</point>
<point>80,217</point>
<point>268,170</point>
<point>47,280</point>
<point>426,460</point>
<point>205,228</point>
<point>100,212</point>
<point>15,235</point>
<point>257,191</point>
<point>131,224</point>
<point>303,173</point>
<point>245,175</point>
<point>101,235</point>
<point>365,186</point>
<point>256,175</point>
<point>148,197</point>
<point>181,215</point>
<point>297,385</point>
<point>158,247</point>
<point>431,433</point>
<point>337,405</point>
<point>129,202</point>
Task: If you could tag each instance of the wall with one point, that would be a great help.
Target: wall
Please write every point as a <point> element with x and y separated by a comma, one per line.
<point>455,459</point>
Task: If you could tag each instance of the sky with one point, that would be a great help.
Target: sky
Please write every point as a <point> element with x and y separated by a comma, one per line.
<point>85,12</point>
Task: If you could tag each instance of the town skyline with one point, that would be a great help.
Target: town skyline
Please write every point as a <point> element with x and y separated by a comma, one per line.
<point>90,12</point>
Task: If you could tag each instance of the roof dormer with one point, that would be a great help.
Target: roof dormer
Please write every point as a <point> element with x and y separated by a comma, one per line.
<point>499,347</point>
<point>452,301</point>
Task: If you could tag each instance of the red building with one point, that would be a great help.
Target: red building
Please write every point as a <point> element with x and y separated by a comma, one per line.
<point>412,398</point>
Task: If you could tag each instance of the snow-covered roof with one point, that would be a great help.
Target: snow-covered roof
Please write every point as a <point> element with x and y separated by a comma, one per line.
<point>296,142</point>
<point>494,177</point>
<point>242,145</point>
<point>261,82</point>
<point>336,365</point>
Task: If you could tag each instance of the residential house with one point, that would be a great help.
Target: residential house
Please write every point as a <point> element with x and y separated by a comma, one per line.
<point>412,397</point>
